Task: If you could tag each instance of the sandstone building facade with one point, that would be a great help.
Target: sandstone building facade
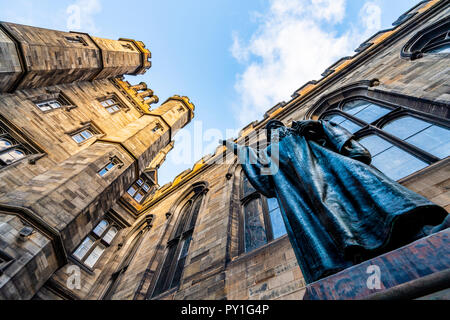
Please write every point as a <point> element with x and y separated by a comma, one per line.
<point>81,212</point>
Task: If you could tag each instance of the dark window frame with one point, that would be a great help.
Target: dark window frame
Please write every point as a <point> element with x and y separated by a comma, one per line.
<point>117,102</point>
<point>376,127</point>
<point>115,162</point>
<point>419,44</point>
<point>246,199</point>
<point>140,188</point>
<point>9,134</point>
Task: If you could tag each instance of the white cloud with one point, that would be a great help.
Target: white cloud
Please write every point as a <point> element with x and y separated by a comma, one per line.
<point>371,16</point>
<point>291,46</point>
<point>80,15</point>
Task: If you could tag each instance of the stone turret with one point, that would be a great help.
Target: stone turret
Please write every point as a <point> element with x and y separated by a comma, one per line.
<point>35,57</point>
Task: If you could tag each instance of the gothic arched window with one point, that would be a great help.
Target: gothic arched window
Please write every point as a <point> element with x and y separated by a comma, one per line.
<point>261,218</point>
<point>434,39</point>
<point>11,150</point>
<point>179,243</point>
<point>401,141</point>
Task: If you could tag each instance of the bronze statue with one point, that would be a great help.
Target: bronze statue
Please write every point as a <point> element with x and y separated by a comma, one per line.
<point>338,210</point>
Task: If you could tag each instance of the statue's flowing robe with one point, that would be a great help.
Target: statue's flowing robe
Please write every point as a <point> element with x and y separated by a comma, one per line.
<point>338,210</point>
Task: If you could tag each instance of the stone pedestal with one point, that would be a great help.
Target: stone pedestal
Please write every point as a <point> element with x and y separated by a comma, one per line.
<point>417,270</point>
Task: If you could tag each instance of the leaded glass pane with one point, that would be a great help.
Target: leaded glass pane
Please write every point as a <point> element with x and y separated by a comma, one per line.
<point>365,111</point>
<point>162,280</point>
<point>405,127</point>
<point>95,255</point>
<point>83,248</point>
<point>138,197</point>
<point>434,140</point>
<point>272,203</point>
<point>255,232</point>
<point>110,166</point>
<point>78,138</point>
<point>247,188</point>
<point>392,161</point>
<point>4,144</point>
<point>278,226</point>
<point>181,261</point>
<point>375,144</point>
<point>12,156</point>
<point>86,134</point>
<point>424,135</point>
<point>101,227</point>
<point>442,49</point>
<point>110,235</point>
<point>132,191</point>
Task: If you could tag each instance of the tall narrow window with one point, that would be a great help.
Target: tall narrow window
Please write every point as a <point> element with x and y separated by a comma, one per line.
<point>400,140</point>
<point>109,167</point>
<point>95,244</point>
<point>179,243</point>
<point>262,220</point>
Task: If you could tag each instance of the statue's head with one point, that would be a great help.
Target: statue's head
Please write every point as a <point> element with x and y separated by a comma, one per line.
<point>273,125</point>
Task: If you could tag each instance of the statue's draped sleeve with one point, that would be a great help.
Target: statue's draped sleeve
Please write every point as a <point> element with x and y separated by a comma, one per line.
<point>342,141</point>
<point>252,167</point>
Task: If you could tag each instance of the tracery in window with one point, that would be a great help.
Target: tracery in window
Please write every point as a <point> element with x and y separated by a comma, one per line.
<point>11,150</point>
<point>400,140</point>
<point>434,39</point>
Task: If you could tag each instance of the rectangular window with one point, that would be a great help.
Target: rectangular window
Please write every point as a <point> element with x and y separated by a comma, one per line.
<point>49,105</point>
<point>140,189</point>
<point>107,168</point>
<point>157,127</point>
<point>111,105</point>
<point>132,191</point>
<point>95,255</point>
<point>138,197</point>
<point>82,136</point>
<point>85,246</point>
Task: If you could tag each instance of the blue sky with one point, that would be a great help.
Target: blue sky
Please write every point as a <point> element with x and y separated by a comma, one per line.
<point>233,59</point>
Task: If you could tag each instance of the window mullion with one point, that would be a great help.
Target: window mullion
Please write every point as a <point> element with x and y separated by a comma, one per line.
<point>267,221</point>
<point>417,152</point>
